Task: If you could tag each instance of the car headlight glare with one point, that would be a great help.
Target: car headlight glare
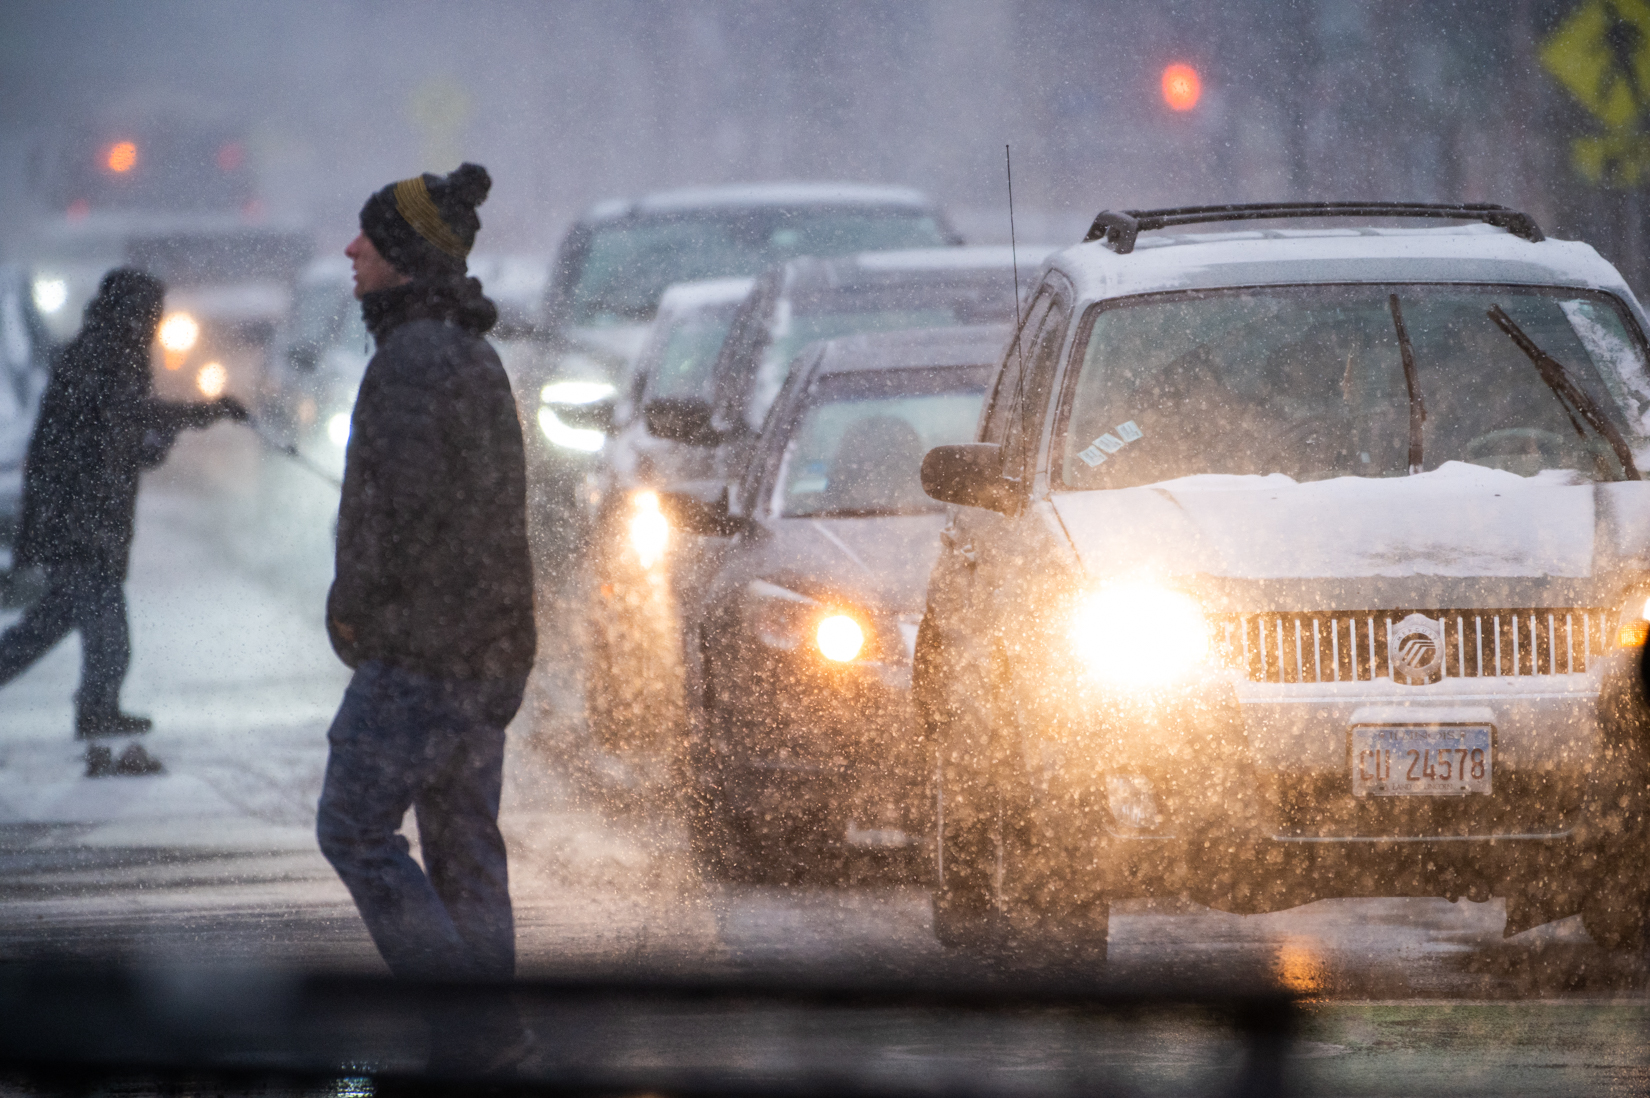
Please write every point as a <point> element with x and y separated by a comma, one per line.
<point>649,529</point>
<point>1634,631</point>
<point>211,380</point>
<point>582,439</point>
<point>840,638</point>
<point>575,392</point>
<point>50,294</point>
<point>178,332</point>
<point>338,429</point>
<point>1139,634</point>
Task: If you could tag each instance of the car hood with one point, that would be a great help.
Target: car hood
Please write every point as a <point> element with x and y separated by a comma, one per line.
<point>1378,539</point>
<point>883,561</point>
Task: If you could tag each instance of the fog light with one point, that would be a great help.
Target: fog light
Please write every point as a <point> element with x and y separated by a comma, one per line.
<point>840,638</point>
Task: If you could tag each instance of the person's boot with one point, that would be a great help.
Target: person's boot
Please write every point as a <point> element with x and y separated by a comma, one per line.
<point>100,725</point>
<point>99,761</point>
<point>135,762</point>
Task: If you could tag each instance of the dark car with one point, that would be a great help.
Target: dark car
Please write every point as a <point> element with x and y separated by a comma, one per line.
<point>806,634</point>
<point>616,262</point>
<point>707,437</point>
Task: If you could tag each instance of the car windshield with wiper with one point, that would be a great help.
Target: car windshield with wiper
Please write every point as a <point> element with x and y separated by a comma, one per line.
<point>857,447</point>
<point>1310,382</point>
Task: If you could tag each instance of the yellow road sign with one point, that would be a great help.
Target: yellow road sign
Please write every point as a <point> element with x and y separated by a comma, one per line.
<point>1601,53</point>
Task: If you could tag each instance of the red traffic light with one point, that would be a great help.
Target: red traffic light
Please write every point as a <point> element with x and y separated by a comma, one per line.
<point>1182,87</point>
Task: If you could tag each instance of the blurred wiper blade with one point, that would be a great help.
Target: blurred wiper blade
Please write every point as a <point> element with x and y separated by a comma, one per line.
<point>1417,407</point>
<point>1576,400</point>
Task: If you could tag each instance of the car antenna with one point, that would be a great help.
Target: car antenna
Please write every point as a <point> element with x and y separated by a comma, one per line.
<point>1014,260</point>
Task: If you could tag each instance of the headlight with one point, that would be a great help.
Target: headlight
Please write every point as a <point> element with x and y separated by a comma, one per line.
<point>839,637</point>
<point>1634,630</point>
<point>50,294</point>
<point>338,429</point>
<point>784,619</point>
<point>649,529</point>
<point>1138,634</point>
<point>582,439</point>
<point>211,380</point>
<point>178,332</point>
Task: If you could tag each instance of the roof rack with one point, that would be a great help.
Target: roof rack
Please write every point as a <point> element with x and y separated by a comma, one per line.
<point>1117,229</point>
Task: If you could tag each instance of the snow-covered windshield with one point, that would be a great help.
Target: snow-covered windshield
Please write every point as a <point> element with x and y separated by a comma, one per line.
<point>621,271</point>
<point>1310,382</point>
<point>858,445</point>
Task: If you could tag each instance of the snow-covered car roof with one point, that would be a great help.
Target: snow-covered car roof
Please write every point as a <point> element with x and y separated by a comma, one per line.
<point>734,196</point>
<point>919,348</point>
<point>1467,254</point>
<point>682,297</point>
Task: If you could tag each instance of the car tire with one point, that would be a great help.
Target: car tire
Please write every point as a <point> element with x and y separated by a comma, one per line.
<point>1000,893</point>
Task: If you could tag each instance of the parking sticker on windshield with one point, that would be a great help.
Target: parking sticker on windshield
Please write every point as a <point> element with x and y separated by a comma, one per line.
<point>1130,432</point>
<point>1109,443</point>
<point>1092,456</point>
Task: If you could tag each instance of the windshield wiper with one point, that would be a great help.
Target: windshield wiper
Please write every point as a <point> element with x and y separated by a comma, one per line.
<point>1576,400</point>
<point>1417,407</point>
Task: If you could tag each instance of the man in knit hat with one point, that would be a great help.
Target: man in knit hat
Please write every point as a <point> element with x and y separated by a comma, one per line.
<point>432,602</point>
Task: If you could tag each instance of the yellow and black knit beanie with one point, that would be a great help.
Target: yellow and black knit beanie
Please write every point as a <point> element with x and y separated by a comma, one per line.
<point>426,225</point>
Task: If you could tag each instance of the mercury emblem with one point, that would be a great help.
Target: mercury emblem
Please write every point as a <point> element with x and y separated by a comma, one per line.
<point>1417,646</point>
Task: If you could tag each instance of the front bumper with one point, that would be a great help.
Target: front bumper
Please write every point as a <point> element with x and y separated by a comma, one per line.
<point>795,742</point>
<point>1239,794</point>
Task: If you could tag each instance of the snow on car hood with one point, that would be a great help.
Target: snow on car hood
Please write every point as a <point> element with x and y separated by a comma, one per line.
<point>1459,520</point>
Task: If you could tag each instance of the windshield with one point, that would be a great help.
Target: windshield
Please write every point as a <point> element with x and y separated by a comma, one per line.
<point>618,276</point>
<point>857,447</point>
<point>326,314</point>
<point>1310,382</point>
<point>917,301</point>
<point>681,367</point>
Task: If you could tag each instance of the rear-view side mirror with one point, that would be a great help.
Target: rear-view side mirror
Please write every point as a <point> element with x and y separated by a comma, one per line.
<point>697,515</point>
<point>681,419</point>
<point>970,474</point>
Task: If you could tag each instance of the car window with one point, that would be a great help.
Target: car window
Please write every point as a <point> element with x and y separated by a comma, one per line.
<point>1309,382</point>
<point>857,446</point>
<point>1005,397</point>
<point>623,269</point>
<point>980,297</point>
<point>326,314</point>
<point>1042,359</point>
<point>681,366</point>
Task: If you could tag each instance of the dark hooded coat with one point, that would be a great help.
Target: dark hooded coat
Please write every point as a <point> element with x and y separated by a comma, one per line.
<point>99,426</point>
<point>433,573</point>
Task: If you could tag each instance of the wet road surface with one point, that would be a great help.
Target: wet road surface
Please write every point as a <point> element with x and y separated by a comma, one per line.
<point>215,859</point>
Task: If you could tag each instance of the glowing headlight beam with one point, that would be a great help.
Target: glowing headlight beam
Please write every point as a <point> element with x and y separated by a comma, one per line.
<point>649,529</point>
<point>1139,634</point>
<point>569,438</point>
<point>50,294</point>
<point>211,380</point>
<point>575,392</point>
<point>840,638</point>
<point>178,332</point>
<point>338,429</point>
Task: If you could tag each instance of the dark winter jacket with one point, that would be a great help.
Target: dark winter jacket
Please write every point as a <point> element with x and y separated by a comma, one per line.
<point>433,574</point>
<point>99,425</point>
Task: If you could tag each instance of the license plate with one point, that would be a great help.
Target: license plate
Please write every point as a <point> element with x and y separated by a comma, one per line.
<point>1399,760</point>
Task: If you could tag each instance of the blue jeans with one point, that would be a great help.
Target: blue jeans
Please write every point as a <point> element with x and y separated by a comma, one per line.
<point>89,598</point>
<point>402,740</point>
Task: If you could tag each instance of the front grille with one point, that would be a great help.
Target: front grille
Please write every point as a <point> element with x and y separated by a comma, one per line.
<point>1355,646</point>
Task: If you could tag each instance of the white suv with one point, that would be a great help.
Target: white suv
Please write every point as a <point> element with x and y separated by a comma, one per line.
<point>1293,564</point>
